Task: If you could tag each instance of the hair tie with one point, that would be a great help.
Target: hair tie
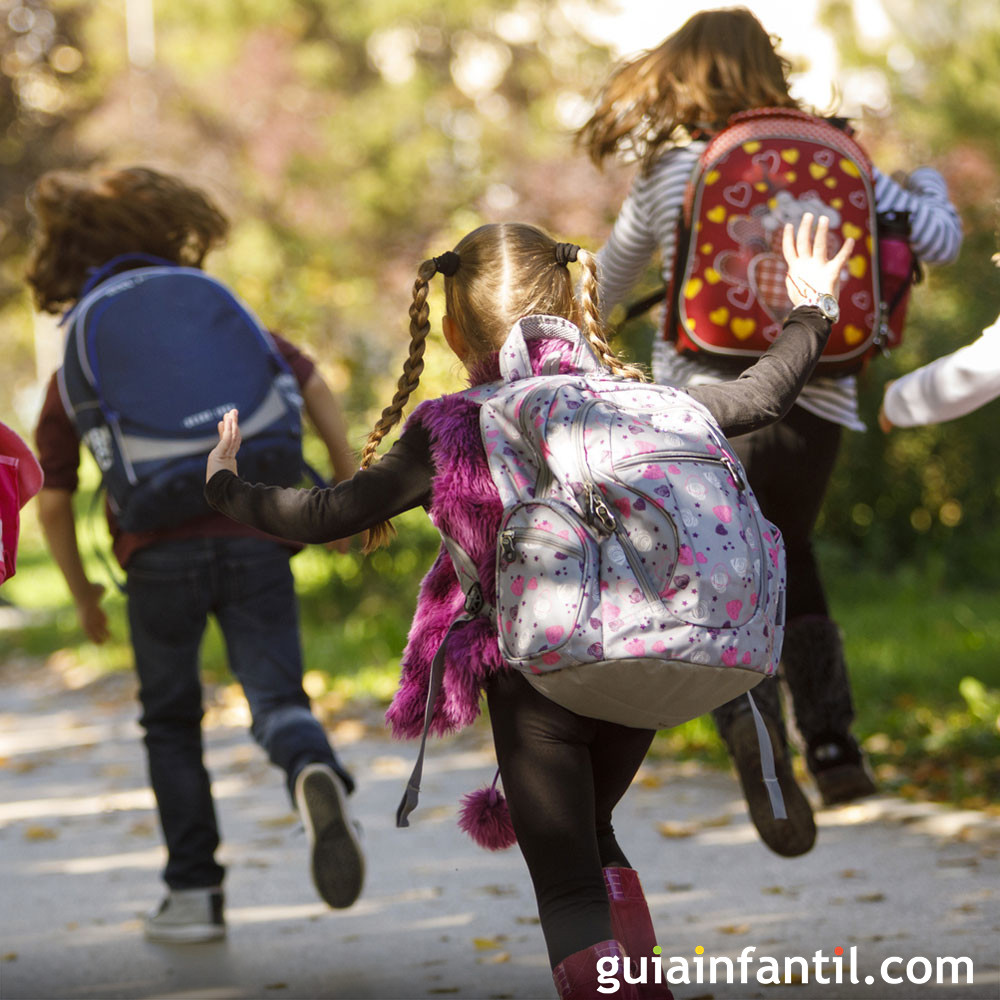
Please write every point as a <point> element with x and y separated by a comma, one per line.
<point>447,263</point>
<point>566,253</point>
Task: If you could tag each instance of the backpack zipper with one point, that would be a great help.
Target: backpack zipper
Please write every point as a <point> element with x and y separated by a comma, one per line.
<point>508,548</point>
<point>544,476</point>
<point>599,515</point>
<point>697,456</point>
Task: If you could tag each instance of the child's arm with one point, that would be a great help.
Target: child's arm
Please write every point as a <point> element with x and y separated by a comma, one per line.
<point>935,226</point>
<point>55,514</point>
<point>765,392</point>
<point>946,388</point>
<point>400,480</point>
<point>324,412</point>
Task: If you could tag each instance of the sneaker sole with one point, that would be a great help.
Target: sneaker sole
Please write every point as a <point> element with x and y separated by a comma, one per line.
<point>337,865</point>
<point>189,934</point>
<point>789,837</point>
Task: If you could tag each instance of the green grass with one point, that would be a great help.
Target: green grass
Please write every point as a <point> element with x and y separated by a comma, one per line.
<point>922,656</point>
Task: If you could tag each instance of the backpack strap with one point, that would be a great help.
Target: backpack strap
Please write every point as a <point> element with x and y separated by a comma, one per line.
<point>106,270</point>
<point>475,607</point>
<point>767,763</point>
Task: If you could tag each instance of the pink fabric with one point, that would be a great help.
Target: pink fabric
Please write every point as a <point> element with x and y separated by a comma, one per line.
<point>466,505</point>
<point>20,480</point>
<point>29,472</point>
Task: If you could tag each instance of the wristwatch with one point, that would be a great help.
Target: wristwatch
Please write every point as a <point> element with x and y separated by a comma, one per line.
<point>826,304</point>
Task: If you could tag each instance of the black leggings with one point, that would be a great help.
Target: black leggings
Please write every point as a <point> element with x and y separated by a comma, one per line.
<point>563,774</point>
<point>789,465</point>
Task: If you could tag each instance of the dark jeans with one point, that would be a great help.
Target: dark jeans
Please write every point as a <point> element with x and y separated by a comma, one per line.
<point>562,775</point>
<point>789,465</point>
<point>247,584</point>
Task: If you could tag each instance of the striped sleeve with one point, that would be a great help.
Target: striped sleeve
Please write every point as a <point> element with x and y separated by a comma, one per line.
<point>935,227</point>
<point>646,223</point>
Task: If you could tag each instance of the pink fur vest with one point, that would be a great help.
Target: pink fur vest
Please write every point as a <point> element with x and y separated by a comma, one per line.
<point>464,504</point>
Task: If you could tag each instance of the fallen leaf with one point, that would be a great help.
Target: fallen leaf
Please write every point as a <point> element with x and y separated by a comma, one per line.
<point>485,944</point>
<point>675,830</point>
<point>871,897</point>
<point>734,929</point>
<point>714,822</point>
<point>498,890</point>
<point>274,822</point>
<point>527,920</point>
<point>40,833</point>
<point>10,956</point>
<point>498,959</point>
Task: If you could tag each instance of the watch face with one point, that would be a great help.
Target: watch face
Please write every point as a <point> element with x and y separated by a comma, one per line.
<point>829,307</point>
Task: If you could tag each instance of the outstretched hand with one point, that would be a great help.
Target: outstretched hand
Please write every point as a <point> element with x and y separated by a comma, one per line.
<point>810,274</point>
<point>223,455</point>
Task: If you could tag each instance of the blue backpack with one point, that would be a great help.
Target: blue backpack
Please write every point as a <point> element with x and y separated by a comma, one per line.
<point>154,356</point>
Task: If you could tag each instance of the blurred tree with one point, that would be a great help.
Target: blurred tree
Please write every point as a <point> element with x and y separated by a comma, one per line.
<point>931,493</point>
<point>347,142</point>
<point>43,94</point>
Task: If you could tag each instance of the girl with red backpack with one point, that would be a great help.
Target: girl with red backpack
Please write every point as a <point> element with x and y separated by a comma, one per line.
<point>663,108</point>
<point>563,772</point>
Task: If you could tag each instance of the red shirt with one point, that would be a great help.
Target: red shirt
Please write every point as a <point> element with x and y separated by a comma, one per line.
<point>58,446</point>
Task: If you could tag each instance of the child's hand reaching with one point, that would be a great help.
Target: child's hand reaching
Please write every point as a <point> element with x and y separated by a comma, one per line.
<point>223,455</point>
<point>810,274</point>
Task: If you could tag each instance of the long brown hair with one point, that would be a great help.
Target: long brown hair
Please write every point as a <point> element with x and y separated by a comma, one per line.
<point>84,220</point>
<point>718,63</point>
<point>504,272</point>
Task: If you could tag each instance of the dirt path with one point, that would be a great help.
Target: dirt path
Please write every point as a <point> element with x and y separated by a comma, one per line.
<point>80,853</point>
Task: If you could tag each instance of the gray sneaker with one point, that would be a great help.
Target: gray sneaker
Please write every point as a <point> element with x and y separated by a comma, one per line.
<point>187,916</point>
<point>336,862</point>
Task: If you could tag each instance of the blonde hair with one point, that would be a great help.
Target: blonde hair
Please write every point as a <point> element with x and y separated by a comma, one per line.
<point>718,63</point>
<point>504,272</point>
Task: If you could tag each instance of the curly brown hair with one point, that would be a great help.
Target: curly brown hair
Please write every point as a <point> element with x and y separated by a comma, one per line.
<point>84,220</point>
<point>718,63</point>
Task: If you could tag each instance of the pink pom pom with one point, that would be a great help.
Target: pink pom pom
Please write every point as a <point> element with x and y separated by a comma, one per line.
<point>486,819</point>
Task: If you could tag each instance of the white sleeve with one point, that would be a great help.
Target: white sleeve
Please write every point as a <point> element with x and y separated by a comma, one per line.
<point>950,387</point>
<point>935,227</point>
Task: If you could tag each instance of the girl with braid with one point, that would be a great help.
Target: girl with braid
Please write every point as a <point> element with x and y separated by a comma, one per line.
<point>563,773</point>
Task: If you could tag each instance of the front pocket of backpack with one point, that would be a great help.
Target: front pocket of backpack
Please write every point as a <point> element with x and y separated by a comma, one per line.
<point>546,580</point>
<point>717,576</point>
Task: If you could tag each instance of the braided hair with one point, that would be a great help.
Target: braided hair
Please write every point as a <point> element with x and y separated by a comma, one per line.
<point>496,275</point>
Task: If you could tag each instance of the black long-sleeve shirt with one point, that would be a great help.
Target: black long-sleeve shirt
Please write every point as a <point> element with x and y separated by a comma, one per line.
<point>402,478</point>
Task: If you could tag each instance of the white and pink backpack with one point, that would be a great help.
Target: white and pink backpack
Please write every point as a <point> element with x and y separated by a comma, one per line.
<point>637,580</point>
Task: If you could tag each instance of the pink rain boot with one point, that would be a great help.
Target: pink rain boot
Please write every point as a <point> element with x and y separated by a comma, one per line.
<point>633,927</point>
<point>577,977</point>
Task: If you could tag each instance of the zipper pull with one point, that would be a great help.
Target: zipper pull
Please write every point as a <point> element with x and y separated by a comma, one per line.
<point>734,472</point>
<point>507,551</point>
<point>599,514</point>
